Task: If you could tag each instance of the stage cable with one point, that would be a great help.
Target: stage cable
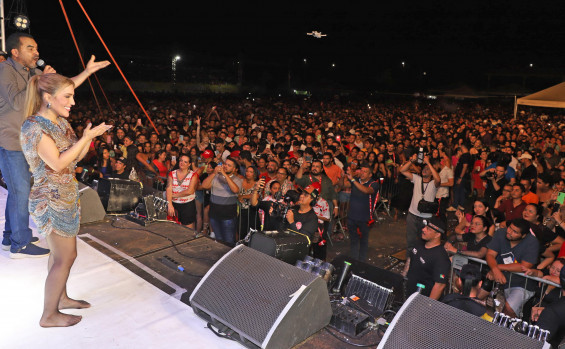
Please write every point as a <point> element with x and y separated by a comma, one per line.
<point>117,66</point>
<point>80,56</point>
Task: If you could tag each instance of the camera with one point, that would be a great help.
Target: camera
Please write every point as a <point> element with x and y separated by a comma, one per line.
<point>420,159</point>
<point>281,208</point>
<point>489,175</point>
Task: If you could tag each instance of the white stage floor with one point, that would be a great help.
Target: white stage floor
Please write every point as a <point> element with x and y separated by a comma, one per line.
<point>126,312</point>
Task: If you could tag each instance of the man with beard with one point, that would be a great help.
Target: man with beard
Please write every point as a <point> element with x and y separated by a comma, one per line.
<point>224,184</point>
<point>271,173</point>
<point>512,249</point>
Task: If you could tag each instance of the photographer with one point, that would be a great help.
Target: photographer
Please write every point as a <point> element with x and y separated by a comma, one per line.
<point>496,180</point>
<point>271,206</point>
<point>303,219</point>
<point>423,203</point>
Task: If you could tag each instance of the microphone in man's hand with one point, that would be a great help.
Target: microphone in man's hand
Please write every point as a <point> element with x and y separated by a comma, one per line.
<point>40,64</point>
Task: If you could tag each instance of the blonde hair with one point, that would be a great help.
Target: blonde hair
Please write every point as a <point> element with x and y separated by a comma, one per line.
<point>41,84</point>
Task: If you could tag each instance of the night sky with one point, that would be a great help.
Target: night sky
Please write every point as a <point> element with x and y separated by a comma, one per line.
<point>451,42</point>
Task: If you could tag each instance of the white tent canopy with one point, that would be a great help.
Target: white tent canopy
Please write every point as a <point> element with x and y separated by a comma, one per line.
<point>552,97</point>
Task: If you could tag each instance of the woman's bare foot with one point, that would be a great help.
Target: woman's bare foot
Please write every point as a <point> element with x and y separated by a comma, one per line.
<point>69,303</point>
<point>59,320</point>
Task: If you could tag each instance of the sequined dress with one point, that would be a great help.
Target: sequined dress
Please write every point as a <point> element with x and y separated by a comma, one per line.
<point>54,200</point>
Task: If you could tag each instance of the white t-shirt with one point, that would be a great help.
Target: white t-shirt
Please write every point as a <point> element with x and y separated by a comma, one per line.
<point>430,195</point>
<point>445,174</point>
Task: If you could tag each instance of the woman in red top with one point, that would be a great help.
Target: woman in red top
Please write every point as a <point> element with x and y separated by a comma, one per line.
<point>480,165</point>
<point>160,163</point>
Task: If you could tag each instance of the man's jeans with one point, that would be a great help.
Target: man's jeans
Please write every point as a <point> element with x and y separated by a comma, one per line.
<point>15,171</point>
<point>224,230</point>
<point>358,244</point>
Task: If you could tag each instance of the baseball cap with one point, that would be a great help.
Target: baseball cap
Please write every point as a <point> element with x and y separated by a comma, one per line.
<point>314,190</point>
<point>436,224</point>
<point>207,154</point>
<point>122,160</point>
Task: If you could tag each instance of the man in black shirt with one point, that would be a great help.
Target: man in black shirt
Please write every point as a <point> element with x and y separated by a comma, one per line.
<point>468,281</point>
<point>120,171</point>
<point>496,180</point>
<point>462,177</point>
<point>428,263</point>
<point>529,171</point>
<point>303,220</point>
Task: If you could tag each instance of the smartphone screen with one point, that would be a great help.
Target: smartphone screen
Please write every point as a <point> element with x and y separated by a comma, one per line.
<point>560,198</point>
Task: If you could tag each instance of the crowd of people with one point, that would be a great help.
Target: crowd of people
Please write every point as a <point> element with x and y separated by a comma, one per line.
<point>232,164</point>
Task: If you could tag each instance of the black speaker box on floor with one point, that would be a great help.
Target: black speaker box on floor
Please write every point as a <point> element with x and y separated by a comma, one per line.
<point>286,246</point>
<point>266,302</point>
<point>91,209</point>
<point>119,195</point>
<point>426,323</point>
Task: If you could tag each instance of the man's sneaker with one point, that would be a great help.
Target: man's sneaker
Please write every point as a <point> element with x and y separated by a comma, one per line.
<point>30,251</point>
<point>451,209</point>
<point>6,243</point>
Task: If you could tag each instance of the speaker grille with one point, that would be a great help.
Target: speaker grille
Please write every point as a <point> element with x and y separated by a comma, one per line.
<point>236,301</point>
<point>426,323</point>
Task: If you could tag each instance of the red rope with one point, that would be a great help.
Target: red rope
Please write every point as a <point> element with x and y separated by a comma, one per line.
<point>117,66</point>
<point>80,55</point>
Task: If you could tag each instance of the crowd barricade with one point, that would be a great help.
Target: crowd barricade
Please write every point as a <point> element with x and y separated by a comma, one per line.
<point>458,261</point>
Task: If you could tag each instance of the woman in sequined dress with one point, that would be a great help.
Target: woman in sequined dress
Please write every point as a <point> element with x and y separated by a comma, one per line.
<point>52,150</point>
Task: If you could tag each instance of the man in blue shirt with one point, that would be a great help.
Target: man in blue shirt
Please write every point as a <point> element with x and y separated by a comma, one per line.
<point>361,205</point>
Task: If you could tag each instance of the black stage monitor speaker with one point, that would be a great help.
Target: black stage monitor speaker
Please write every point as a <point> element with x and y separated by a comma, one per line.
<point>286,246</point>
<point>266,302</point>
<point>119,195</point>
<point>426,323</point>
<point>91,209</point>
<point>384,278</point>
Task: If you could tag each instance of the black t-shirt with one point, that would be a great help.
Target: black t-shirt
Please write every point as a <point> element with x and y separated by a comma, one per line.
<point>492,194</point>
<point>464,303</point>
<point>305,223</point>
<point>271,222</point>
<point>464,159</point>
<point>123,175</point>
<point>427,266</point>
<point>529,172</point>
<point>474,246</point>
<point>544,235</point>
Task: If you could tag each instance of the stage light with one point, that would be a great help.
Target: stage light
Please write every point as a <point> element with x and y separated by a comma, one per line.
<point>21,22</point>
<point>531,65</point>
<point>333,65</point>
<point>403,64</point>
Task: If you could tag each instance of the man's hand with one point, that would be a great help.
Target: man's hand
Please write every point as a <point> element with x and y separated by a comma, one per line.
<point>496,275</point>
<point>92,66</point>
<point>49,70</point>
<point>449,247</point>
<point>290,216</point>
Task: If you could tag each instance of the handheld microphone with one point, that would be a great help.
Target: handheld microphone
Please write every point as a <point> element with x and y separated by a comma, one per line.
<point>40,63</point>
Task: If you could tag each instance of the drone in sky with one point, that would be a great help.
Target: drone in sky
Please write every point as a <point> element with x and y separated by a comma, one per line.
<point>317,34</point>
